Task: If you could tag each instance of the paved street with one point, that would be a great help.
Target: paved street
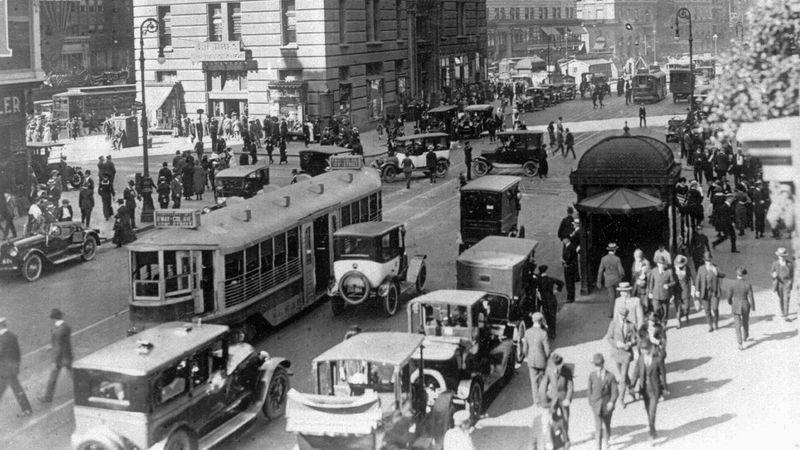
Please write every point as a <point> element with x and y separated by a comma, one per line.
<point>720,398</point>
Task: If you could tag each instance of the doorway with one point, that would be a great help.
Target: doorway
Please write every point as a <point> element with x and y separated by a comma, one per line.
<point>322,252</point>
<point>225,107</point>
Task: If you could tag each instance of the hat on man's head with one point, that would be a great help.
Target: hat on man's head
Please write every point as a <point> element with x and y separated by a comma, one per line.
<point>460,417</point>
<point>680,261</point>
<point>570,210</point>
<point>557,359</point>
<point>537,317</point>
<point>597,359</point>
<point>782,252</point>
<point>56,314</point>
<point>741,271</point>
<point>612,247</point>
<point>661,259</point>
<point>624,286</point>
<point>707,256</point>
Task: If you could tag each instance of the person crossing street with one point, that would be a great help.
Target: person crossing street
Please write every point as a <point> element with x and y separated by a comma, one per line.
<point>740,297</point>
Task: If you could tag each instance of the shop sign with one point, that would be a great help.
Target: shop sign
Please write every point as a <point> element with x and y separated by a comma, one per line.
<point>217,51</point>
<point>346,162</point>
<point>177,218</point>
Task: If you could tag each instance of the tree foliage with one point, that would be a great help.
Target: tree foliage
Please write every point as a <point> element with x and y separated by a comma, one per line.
<point>760,76</point>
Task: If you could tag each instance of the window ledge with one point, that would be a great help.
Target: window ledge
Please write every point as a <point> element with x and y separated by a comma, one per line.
<point>344,45</point>
<point>289,47</point>
<point>374,43</point>
<point>168,49</point>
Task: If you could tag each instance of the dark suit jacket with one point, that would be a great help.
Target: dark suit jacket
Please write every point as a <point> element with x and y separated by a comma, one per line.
<point>569,255</point>
<point>617,332</point>
<point>60,213</point>
<point>565,227</point>
<point>740,297</point>
<point>726,216</point>
<point>60,339</point>
<point>610,271</point>
<point>656,282</point>
<point>785,275</point>
<point>707,285</point>
<point>653,377</point>
<point>545,285</point>
<point>601,392</point>
<point>538,347</point>
<point>9,354</point>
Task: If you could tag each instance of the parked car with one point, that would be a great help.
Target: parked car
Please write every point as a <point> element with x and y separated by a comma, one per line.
<point>674,129</point>
<point>242,181</point>
<point>520,148</point>
<point>470,344</point>
<point>174,386</point>
<point>416,147</point>
<point>43,161</point>
<point>315,160</point>
<point>490,207</point>
<point>62,242</point>
<point>370,393</point>
<point>552,93</point>
<point>370,261</point>
<point>535,99</point>
<point>441,118</point>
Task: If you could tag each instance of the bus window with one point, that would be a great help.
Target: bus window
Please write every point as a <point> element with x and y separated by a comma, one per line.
<point>380,205</point>
<point>307,245</point>
<point>355,212</point>
<point>345,216</point>
<point>373,208</point>
<point>364,210</point>
<point>251,259</point>
<point>293,244</point>
<point>234,263</point>
<point>266,256</point>
<point>145,274</point>
<point>280,250</point>
<point>177,272</point>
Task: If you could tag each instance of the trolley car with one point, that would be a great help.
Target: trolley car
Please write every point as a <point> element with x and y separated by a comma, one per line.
<point>262,259</point>
<point>649,87</point>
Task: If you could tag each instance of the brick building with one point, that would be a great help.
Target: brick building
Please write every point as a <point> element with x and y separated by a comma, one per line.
<point>309,59</point>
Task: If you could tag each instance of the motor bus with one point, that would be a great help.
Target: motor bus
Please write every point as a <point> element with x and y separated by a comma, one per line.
<point>258,260</point>
<point>649,87</point>
<point>103,100</point>
<point>680,84</point>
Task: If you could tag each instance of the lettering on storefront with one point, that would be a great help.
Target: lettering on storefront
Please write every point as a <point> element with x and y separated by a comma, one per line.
<point>217,51</point>
<point>346,162</point>
<point>5,50</point>
<point>177,218</point>
<point>11,105</point>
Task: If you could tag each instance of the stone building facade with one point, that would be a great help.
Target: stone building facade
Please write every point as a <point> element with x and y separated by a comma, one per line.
<point>304,59</point>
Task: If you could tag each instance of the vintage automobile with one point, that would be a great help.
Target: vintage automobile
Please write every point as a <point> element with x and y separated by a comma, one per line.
<point>520,148</point>
<point>241,181</point>
<point>471,126</point>
<point>441,117</point>
<point>315,159</point>
<point>552,93</point>
<point>177,385</point>
<point>416,147</point>
<point>63,241</point>
<point>674,129</point>
<point>567,90</point>
<point>501,265</point>
<point>535,99</point>
<point>370,261</point>
<point>43,161</point>
<point>489,207</point>
<point>470,343</point>
<point>369,394</point>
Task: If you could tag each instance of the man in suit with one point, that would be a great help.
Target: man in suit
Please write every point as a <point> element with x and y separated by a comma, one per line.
<point>546,284</point>
<point>707,288</point>
<point>622,337</point>
<point>64,212</point>
<point>9,367</point>
<point>609,274</point>
<point>557,388</point>
<point>130,195</point>
<point>569,260</point>
<point>698,246</point>
<point>650,371</point>
<point>761,202</point>
<point>741,299</point>
<point>538,350</point>
<point>660,284</point>
<point>61,346</point>
<point>602,394</point>
<point>782,278</point>
<point>565,228</point>
<point>725,219</point>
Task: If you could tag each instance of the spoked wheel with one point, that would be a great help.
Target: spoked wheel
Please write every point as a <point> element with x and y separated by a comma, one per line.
<point>32,267</point>
<point>441,168</point>
<point>389,174</point>
<point>480,168</point>
<point>180,439</point>
<point>475,401</point>
<point>89,249</point>
<point>275,403</point>
<point>392,300</point>
<point>76,181</point>
<point>530,168</point>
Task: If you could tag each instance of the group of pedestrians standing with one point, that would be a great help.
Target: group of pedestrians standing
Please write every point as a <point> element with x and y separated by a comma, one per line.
<point>561,139</point>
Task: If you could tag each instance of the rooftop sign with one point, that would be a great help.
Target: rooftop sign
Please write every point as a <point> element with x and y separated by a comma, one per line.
<point>346,162</point>
<point>217,51</point>
<point>177,218</point>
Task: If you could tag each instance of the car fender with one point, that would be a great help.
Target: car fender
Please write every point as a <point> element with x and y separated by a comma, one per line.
<point>481,158</point>
<point>161,445</point>
<point>444,160</point>
<point>414,265</point>
<point>432,373</point>
<point>462,392</point>
<point>102,434</point>
<point>267,369</point>
<point>23,255</point>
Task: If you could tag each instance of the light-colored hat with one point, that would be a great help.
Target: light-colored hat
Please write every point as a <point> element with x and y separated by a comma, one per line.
<point>537,317</point>
<point>782,252</point>
<point>680,261</point>
<point>611,246</point>
<point>624,286</point>
<point>460,417</point>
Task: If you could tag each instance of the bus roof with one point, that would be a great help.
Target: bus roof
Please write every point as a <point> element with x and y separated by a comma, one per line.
<point>410,137</point>
<point>390,347</point>
<point>497,183</point>
<point>483,107</point>
<point>227,228</point>
<point>240,171</point>
<point>498,251</point>
<point>169,342</point>
<point>367,229</point>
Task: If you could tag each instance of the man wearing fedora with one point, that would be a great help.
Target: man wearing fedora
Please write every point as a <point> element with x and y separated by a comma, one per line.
<point>622,337</point>
<point>682,294</point>
<point>659,286</point>
<point>707,289</point>
<point>538,351</point>
<point>556,388</point>
<point>61,346</point>
<point>602,394</point>
<point>698,246</point>
<point>782,278</point>
<point>546,284</point>
<point>651,377</point>
<point>569,260</point>
<point>740,297</point>
<point>725,220</point>
<point>626,299</point>
<point>610,274</point>
<point>9,367</point>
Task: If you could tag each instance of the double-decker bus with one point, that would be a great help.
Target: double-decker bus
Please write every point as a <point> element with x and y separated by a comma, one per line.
<point>266,258</point>
<point>649,87</point>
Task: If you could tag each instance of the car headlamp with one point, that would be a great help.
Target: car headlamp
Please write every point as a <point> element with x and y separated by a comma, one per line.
<point>13,251</point>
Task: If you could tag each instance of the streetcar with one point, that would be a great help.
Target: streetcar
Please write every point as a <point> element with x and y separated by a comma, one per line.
<point>256,262</point>
<point>649,87</point>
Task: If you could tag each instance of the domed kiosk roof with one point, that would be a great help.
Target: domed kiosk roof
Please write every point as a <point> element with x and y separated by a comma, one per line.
<point>627,160</point>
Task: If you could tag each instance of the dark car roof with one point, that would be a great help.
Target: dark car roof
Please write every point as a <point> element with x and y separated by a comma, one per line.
<point>326,149</point>
<point>497,183</point>
<point>240,171</point>
<point>411,137</point>
<point>443,108</point>
<point>367,229</point>
<point>518,132</point>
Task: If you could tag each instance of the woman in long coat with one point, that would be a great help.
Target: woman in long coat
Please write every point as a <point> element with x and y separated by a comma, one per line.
<point>187,179</point>
<point>199,181</point>
<point>123,232</point>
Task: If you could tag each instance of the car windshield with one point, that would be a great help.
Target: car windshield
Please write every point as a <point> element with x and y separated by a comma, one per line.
<point>442,320</point>
<point>480,205</point>
<point>354,247</point>
<point>109,390</point>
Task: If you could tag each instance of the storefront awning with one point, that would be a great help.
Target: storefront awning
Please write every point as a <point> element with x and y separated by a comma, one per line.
<point>551,31</point>
<point>620,201</point>
<point>155,96</point>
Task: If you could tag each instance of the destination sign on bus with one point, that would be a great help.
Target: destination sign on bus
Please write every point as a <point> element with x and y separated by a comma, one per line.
<point>177,218</point>
<point>346,162</point>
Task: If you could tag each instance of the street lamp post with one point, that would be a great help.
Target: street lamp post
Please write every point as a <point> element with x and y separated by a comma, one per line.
<point>149,25</point>
<point>685,14</point>
<point>714,38</point>
<point>550,38</point>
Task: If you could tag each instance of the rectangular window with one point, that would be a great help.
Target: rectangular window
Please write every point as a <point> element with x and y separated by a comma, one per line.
<point>345,215</point>
<point>497,14</point>
<point>215,24</point>
<point>364,202</point>
<point>288,22</point>
<point>166,76</point>
<point>527,13</point>
<point>545,13</point>
<point>234,21</point>
<point>398,17</point>
<point>293,244</point>
<point>374,211</point>
<point>355,212</point>
<point>266,256</point>
<point>373,19</point>
<point>342,21</point>
<point>251,259</point>
<point>280,250</point>
<point>234,265</point>
<point>164,27</point>
<point>461,19</point>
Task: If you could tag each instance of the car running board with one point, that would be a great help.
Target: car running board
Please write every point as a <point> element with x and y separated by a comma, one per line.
<point>226,429</point>
<point>65,259</point>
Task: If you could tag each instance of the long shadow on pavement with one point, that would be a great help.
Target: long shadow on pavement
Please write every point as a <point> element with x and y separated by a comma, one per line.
<point>685,388</point>
<point>685,365</point>
<point>774,337</point>
<point>665,436</point>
